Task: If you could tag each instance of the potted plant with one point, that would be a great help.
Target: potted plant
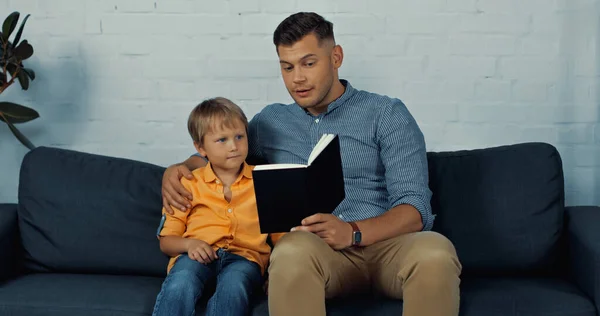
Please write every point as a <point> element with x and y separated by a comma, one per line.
<point>12,55</point>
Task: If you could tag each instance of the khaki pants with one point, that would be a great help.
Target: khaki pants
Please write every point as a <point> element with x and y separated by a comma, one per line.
<point>421,268</point>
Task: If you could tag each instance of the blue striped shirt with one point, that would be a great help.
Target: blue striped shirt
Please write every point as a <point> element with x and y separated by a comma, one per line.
<point>383,150</point>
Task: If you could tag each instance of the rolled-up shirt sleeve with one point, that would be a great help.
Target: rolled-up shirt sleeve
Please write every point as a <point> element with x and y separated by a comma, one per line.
<point>404,155</point>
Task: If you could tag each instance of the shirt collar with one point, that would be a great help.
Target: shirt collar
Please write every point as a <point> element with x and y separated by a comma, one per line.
<point>210,176</point>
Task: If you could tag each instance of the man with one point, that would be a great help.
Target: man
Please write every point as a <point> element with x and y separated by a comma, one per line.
<point>379,237</point>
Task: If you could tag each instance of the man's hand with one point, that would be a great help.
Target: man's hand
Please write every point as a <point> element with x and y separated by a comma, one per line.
<point>200,251</point>
<point>335,232</point>
<point>174,194</point>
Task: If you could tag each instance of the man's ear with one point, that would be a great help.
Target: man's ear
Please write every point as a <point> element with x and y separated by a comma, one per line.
<point>200,149</point>
<point>337,56</point>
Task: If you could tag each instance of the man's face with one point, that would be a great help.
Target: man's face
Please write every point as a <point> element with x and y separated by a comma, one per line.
<point>225,147</point>
<point>309,71</point>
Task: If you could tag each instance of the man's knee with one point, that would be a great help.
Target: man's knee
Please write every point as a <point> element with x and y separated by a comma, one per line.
<point>296,250</point>
<point>434,255</point>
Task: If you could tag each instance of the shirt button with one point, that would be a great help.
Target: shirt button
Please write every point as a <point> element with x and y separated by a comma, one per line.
<point>218,182</point>
<point>229,210</point>
<point>341,216</point>
<point>317,121</point>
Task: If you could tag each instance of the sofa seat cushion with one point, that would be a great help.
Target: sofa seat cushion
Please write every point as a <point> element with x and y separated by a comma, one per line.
<point>523,296</point>
<point>78,294</point>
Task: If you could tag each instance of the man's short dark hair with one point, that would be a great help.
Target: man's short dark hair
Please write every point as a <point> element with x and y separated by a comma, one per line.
<point>300,24</point>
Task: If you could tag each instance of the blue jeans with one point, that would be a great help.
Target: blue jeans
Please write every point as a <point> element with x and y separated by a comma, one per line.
<point>236,276</point>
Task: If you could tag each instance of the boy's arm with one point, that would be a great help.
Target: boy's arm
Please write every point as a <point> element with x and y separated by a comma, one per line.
<point>173,245</point>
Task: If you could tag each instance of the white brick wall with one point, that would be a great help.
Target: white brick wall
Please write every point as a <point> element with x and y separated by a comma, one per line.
<point>119,77</point>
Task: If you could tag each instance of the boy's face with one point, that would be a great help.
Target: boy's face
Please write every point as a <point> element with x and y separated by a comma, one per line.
<point>225,147</point>
<point>309,70</point>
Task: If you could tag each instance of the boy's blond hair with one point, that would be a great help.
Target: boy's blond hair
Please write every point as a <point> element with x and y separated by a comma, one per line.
<point>205,115</point>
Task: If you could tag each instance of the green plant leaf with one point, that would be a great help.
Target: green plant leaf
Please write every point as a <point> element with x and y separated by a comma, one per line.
<point>9,25</point>
<point>18,36</point>
<point>24,50</point>
<point>29,73</point>
<point>23,80</point>
<point>17,113</point>
<point>18,134</point>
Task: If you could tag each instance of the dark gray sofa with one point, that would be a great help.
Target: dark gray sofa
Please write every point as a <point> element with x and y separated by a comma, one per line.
<point>81,240</point>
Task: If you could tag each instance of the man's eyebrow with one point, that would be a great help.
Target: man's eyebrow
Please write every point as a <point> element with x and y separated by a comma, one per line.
<point>303,57</point>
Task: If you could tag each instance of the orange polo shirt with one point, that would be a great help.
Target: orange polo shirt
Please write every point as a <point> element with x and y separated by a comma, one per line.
<point>232,226</point>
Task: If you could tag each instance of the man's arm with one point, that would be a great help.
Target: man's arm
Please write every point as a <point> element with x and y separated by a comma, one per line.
<point>403,153</point>
<point>173,193</point>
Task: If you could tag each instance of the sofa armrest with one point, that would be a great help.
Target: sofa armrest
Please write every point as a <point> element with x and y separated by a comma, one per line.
<point>9,241</point>
<point>583,238</point>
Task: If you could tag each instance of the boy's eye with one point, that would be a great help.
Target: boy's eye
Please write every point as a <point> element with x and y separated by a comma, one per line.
<point>289,68</point>
<point>239,137</point>
<point>220,140</point>
<point>310,64</point>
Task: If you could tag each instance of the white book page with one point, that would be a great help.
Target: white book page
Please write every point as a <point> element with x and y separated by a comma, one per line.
<point>323,142</point>
<point>279,166</point>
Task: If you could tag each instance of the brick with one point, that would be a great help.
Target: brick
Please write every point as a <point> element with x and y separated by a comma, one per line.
<point>575,133</point>
<point>529,91</point>
<point>495,23</point>
<point>210,88</point>
<point>134,6</point>
<point>528,113</point>
<point>179,6</point>
<point>261,24</point>
<point>542,69</point>
<point>387,67</point>
<point>419,45</point>
<point>176,90</point>
<point>114,89</point>
<point>243,90</point>
<point>170,24</point>
<point>98,6</point>
<point>477,45</point>
<point>545,134</point>
<point>492,90</point>
<point>243,6</point>
<point>434,112</point>
<point>421,23</point>
<point>422,91</point>
<point>461,5</point>
<point>276,6</point>
<point>458,91</point>
<point>539,45</point>
<point>246,46</point>
<point>493,6</point>
<point>210,6</point>
<point>470,67</point>
<point>324,8</point>
<point>349,24</point>
<point>547,23</point>
<point>247,69</point>
<point>277,92</point>
<point>63,47</point>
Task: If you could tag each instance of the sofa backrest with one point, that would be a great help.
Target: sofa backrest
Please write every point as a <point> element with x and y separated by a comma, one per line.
<point>502,207</point>
<point>86,213</point>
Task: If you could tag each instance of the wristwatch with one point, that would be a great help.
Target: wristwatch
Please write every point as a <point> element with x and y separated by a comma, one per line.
<point>356,234</point>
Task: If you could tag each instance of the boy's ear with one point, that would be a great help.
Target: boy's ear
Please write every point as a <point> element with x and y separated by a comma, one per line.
<point>200,149</point>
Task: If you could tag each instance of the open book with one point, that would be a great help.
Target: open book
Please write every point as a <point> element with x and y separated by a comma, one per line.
<point>288,193</point>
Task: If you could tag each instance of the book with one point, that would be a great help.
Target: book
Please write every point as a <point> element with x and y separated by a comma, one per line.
<point>288,193</point>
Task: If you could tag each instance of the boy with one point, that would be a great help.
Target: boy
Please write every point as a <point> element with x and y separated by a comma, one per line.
<point>219,238</point>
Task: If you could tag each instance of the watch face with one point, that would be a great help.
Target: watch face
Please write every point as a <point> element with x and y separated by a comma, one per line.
<point>357,238</point>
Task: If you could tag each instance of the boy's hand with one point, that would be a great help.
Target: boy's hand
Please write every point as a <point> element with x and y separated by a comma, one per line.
<point>201,251</point>
<point>174,194</point>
